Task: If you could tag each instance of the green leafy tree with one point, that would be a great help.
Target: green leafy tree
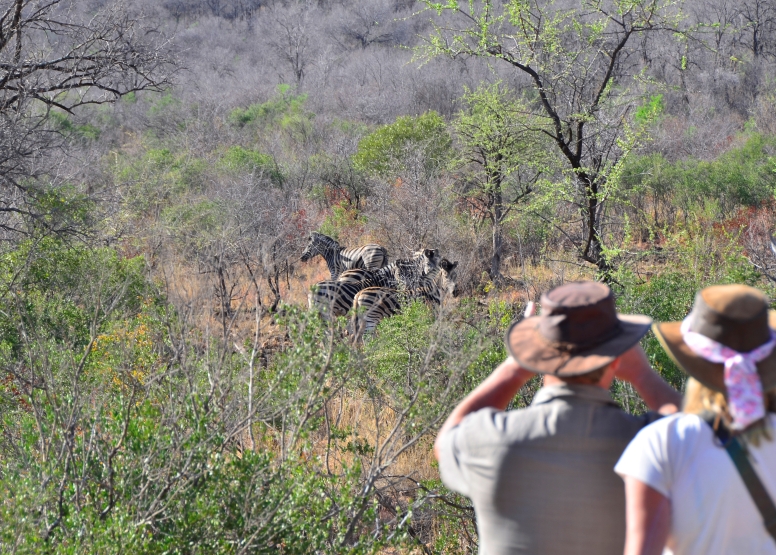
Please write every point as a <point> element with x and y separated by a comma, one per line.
<point>501,160</point>
<point>383,151</point>
<point>579,63</point>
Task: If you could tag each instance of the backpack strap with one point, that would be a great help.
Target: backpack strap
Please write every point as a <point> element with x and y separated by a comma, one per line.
<point>745,469</point>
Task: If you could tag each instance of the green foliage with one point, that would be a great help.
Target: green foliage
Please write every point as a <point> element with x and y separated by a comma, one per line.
<point>403,343</point>
<point>237,159</point>
<point>196,221</point>
<point>56,290</point>
<point>163,104</point>
<point>500,156</point>
<point>569,56</point>
<point>668,296</point>
<point>340,181</point>
<point>159,175</point>
<point>651,110</point>
<point>497,130</point>
<point>61,208</point>
<point>343,217</point>
<point>286,110</point>
<point>387,149</point>
<point>63,124</point>
<point>124,446</point>
<point>742,176</point>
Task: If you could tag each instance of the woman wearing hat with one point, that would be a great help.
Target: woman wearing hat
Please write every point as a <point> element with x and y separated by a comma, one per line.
<point>702,481</point>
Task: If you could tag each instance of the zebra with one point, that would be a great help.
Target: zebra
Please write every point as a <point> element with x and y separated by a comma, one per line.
<point>335,297</point>
<point>338,259</point>
<point>404,273</point>
<point>356,275</point>
<point>372,304</point>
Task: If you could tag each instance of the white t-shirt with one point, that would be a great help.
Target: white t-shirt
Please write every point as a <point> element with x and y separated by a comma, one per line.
<point>712,512</point>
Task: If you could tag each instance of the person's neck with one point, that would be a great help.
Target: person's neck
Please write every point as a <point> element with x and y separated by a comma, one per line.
<point>550,380</point>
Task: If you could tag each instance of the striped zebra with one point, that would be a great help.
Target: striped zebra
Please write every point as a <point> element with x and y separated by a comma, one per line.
<point>335,297</point>
<point>356,275</point>
<point>338,258</point>
<point>405,273</point>
<point>372,304</point>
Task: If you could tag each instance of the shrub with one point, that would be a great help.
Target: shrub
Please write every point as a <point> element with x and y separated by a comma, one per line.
<point>63,124</point>
<point>387,148</point>
<point>742,176</point>
<point>286,110</point>
<point>239,159</point>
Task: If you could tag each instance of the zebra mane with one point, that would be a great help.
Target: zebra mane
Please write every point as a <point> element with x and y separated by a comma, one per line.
<point>325,241</point>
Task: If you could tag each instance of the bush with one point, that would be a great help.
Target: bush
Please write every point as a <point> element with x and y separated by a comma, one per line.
<point>239,159</point>
<point>385,150</point>
<point>742,176</point>
<point>63,124</point>
<point>158,176</point>
<point>286,110</point>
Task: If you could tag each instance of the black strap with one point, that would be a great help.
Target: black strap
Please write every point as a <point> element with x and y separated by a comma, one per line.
<point>745,469</point>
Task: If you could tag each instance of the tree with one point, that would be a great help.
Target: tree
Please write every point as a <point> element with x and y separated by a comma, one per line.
<point>288,32</point>
<point>405,160</point>
<point>578,64</point>
<point>53,58</point>
<point>382,151</point>
<point>500,158</point>
<point>364,23</point>
<point>758,22</point>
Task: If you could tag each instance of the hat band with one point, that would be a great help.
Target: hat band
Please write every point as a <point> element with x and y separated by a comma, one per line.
<point>573,347</point>
<point>744,388</point>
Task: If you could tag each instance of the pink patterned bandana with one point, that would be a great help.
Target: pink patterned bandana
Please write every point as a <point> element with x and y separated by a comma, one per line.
<point>745,391</point>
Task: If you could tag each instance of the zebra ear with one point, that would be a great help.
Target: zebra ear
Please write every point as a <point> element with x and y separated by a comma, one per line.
<point>447,266</point>
<point>428,253</point>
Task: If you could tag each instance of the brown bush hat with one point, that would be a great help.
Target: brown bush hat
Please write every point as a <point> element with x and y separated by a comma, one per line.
<point>736,316</point>
<point>579,331</point>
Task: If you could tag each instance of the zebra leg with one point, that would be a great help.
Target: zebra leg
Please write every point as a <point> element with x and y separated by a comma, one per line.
<point>322,297</point>
<point>358,320</point>
<point>371,305</point>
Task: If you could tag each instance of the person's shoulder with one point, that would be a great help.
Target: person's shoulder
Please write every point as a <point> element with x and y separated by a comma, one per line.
<point>679,422</point>
<point>679,427</point>
<point>489,424</point>
<point>661,449</point>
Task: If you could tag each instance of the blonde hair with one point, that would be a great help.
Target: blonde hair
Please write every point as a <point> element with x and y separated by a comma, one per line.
<point>700,399</point>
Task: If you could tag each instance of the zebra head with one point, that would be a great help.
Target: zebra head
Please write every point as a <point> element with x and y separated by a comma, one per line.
<point>446,279</point>
<point>318,244</point>
<point>428,259</point>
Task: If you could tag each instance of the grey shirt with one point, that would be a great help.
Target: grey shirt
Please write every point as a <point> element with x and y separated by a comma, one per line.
<point>541,478</point>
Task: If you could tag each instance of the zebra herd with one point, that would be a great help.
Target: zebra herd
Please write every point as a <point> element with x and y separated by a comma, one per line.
<point>362,279</point>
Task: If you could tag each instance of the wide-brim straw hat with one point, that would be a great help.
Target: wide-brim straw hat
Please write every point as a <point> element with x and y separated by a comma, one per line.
<point>736,316</point>
<point>579,331</point>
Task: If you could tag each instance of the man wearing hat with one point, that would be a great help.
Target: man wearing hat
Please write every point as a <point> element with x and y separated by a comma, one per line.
<point>541,478</point>
<point>704,481</point>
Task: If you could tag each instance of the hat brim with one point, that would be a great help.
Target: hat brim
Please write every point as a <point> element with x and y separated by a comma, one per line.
<point>708,373</point>
<point>533,352</point>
